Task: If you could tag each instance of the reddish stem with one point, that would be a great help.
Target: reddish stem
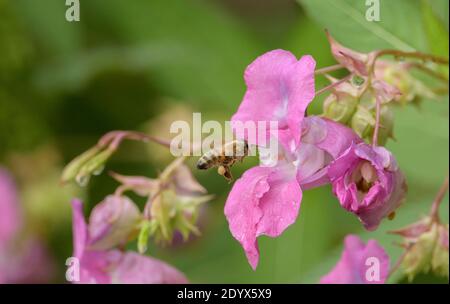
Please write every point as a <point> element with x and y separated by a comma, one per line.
<point>434,213</point>
<point>328,69</point>
<point>334,84</point>
<point>377,121</point>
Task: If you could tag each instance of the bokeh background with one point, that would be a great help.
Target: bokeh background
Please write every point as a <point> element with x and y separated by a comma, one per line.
<point>142,64</point>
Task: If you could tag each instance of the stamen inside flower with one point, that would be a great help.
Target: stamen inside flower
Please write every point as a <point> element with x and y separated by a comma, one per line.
<point>364,177</point>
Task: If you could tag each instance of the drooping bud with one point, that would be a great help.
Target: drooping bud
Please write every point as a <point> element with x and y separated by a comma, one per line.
<point>93,166</point>
<point>93,160</point>
<point>73,168</point>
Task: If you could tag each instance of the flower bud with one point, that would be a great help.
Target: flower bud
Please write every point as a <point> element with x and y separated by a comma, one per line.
<point>73,168</point>
<point>340,107</point>
<point>363,122</point>
<point>93,166</point>
<point>398,75</point>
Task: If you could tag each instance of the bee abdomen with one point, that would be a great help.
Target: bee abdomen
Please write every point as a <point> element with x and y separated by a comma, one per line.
<point>208,160</point>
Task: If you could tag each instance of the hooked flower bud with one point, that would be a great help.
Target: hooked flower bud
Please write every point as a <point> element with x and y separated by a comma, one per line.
<point>92,161</point>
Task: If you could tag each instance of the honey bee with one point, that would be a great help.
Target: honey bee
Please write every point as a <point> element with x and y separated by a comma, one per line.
<point>223,158</point>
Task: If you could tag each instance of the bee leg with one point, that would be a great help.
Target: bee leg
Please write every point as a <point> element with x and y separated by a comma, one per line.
<point>225,172</point>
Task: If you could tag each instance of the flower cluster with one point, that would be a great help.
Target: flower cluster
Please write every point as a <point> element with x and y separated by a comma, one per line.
<point>343,147</point>
<point>314,151</point>
<point>172,206</point>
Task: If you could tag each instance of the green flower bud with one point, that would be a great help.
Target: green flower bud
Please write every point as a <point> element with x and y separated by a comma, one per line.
<point>386,129</point>
<point>73,168</point>
<point>340,107</point>
<point>363,122</point>
<point>93,166</point>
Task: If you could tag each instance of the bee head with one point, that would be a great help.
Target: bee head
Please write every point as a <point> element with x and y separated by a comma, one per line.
<point>202,165</point>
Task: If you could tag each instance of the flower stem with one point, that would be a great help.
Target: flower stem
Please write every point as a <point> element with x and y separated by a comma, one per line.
<point>377,121</point>
<point>334,84</point>
<point>328,69</point>
<point>417,55</point>
<point>398,262</point>
<point>434,213</point>
<point>429,71</point>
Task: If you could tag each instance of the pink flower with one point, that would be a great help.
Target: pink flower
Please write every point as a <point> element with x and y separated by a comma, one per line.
<point>115,266</point>
<point>10,215</point>
<point>112,221</point>
<point>359,264</point>
<point>22,259</point>
<point>266,200</point>
<point>279,88</point>
<point>368,182</point>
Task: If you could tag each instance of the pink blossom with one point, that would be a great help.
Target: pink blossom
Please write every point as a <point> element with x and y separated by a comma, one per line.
<point>23,258</point>
<point>359,264</point>
<point>323,140</point>
<point>10,215</point>
<point>368,182</point>
<point>113,265</point>
<point>279,88</point>
<point>266,200</point>
<point>112,221</point>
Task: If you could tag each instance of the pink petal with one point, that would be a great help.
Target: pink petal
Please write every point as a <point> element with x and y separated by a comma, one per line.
<point>242,209</point>
<point>138,269</point>
<point>279,88</point>
<point>322,141</point>
<point>112,221</point>
<point>264,201</point>
<point>355,263</point>
<point>79,228</point>
<point>281,204</point>
<point>10,215</point>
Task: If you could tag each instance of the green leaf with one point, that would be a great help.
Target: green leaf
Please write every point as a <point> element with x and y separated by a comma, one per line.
<point>345,19</point>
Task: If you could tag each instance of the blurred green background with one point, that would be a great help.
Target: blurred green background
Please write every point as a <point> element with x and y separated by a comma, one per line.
<point>142,64</point>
